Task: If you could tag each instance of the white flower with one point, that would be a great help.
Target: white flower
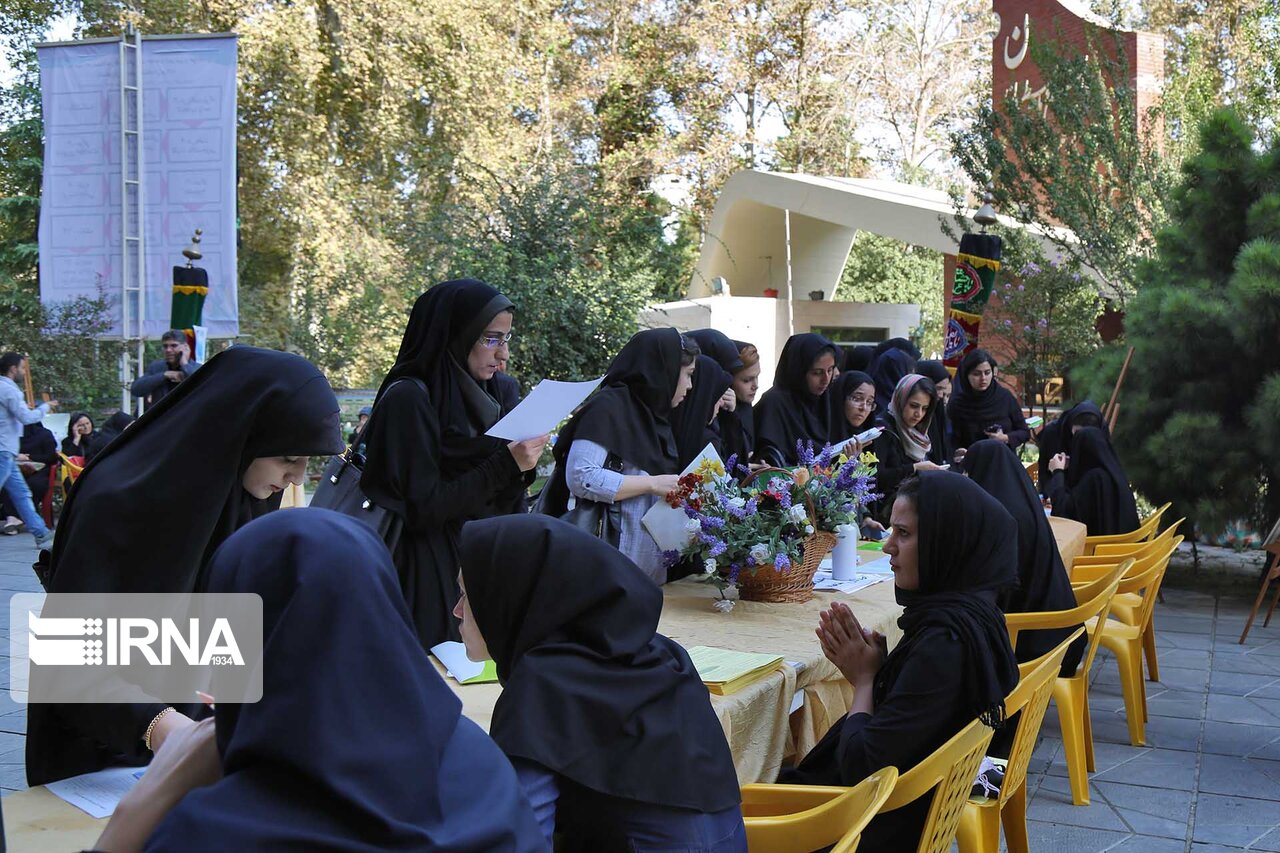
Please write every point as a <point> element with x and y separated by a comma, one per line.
<point>798,513</point>
<point>692,525</point>
<point>709,566</point>
<point>724,605</point>
<point>808,528</point>
<point>760,554</point>
<point>737,502</point>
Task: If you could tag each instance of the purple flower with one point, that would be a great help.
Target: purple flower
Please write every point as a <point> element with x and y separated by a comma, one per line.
<point>690,511</point>
<point>804,452</point>
<point>710,522</point>
<point>731,462</point>
<point>1021,288</point>
<point>784,498</point>
<point>670,558</point>
<point>781,562</point>
<point>1042,323</point>
<point>752,506</point>
<point>1008,323</point>
<point>717,549</point>
<point>734,569</point>
<point>1026,328</point>
<point>824,458</point>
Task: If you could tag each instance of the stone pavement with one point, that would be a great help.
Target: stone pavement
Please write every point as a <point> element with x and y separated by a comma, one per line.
<point>1208,780</point>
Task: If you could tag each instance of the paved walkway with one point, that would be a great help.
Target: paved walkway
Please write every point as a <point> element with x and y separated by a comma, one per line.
<point>1207,782</point>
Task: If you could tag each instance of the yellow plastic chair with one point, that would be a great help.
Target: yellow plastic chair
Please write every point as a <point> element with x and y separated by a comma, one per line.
<point>949,772</point>
<point>1071,695</point>
<point>1127,604</point>
<point>1125,640</point>
<point>980,823</point>
<point>1144,531</point>
<point>803,818</point>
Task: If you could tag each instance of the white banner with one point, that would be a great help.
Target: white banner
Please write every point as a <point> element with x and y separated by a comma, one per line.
<point>189,173</point>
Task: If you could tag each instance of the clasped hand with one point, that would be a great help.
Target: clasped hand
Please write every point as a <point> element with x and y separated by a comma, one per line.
<point>855,651</point>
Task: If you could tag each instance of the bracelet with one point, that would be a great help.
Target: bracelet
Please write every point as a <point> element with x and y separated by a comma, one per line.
<point>146,738</point>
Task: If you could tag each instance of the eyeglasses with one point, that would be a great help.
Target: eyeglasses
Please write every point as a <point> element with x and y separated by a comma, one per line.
<point>862,402</point>
<point>495,341</point>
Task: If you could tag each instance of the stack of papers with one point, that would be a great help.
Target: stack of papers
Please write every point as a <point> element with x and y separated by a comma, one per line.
<point>823,580</point>
<point>725,671</point>
<point>97,794</point>
<point>461,668</point>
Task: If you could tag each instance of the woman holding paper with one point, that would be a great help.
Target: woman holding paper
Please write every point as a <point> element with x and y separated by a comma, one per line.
<point>607,722</point>
<point>853,400</point>
<point>1091,487</point>
<point>904,447</point>
<point>427,456</point>
<point>952,548</point>
<point>620,449</point>
<point>320,763</point>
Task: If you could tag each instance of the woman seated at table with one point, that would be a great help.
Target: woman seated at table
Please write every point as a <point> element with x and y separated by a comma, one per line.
<point>952,548</point>
<point>356,743</point>
<point>79,435</point>
<point>620,448</point>
<point>939,425</point>
<point>694,422</point>
<point>1056,436</point>
<point>853,400</point>
<point>982,407</point>
<point>1091,487</point>
<point>904,447</point>
<point>609,727</point>
<point>1043,582</point>
<point>795,409</point>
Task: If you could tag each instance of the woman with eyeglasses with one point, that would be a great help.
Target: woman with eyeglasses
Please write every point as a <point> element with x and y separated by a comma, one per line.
<point>983,408</point>
<point>853,400</point>
<point>620,450</point>
<point>796,410</point>
<point>427,456</point>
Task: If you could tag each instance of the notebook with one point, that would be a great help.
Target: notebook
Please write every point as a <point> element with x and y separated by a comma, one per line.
<point>461,668</point>
<point>725,671</point>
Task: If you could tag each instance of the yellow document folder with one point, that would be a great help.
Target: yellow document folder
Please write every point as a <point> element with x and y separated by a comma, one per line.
<point>725,671</point>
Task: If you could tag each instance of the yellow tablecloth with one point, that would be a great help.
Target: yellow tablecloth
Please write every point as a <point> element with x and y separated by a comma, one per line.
<point>760,730</point>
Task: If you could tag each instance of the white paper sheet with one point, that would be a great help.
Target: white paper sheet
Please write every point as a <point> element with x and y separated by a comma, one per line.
<point>548,404</point>
<point>665,524</point>
<point>454,657</point>
<point>823,581</point>
<point>97,794</point>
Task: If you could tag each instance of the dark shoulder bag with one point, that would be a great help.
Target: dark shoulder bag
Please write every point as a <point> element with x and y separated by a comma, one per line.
<point>339,488</point>
<point>602,520</point>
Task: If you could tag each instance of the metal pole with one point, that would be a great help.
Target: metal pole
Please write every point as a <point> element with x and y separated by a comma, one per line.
<point>791,314</point>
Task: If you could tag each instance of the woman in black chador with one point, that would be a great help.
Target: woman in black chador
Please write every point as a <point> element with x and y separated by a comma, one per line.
<point>1091,487</point>
<point>795,409</point>
<point>982,407</point>
<point>427,457</point>
<point>1043,583</point>
<point>148,512</point>
<point>952,548</point>
<point>607,723</point>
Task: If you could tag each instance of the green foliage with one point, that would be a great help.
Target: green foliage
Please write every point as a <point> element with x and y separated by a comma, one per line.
<point>1046,317</point>
<point>1085,158</point>
<point>883,270</point>
<point>1201,402</point>
<point>578,272</point>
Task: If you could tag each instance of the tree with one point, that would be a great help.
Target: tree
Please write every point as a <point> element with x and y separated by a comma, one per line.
<point>1084,159</point>
<point>1044,315</point>
<point>1199,420</point>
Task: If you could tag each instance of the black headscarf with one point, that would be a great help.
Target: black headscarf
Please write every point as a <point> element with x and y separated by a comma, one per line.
<point>1100,495</point>
<point>148,512</point>
<point>114,426</point>
<point>887,370</point>
<point>445,323</point>
<point>590,691</point>
<point>629,414</point>
<point>967,555</point>
<point>69,447</point>
<point>978,407</point>
<point>691,420</point>
<point>895,343</point>
<point>939,428</point>
<point>315,765</point>
<point>719,346</point>
<point>1043,583</point>
<point>844,386</point>
<point>787,412</point>
<point>859,357</point>
<point>1056,437</point>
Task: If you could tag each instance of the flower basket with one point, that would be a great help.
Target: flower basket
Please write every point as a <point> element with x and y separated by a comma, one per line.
<point>767,533</point>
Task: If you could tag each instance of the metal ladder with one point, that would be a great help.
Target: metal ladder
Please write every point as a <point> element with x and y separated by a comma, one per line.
<point>133,270</point>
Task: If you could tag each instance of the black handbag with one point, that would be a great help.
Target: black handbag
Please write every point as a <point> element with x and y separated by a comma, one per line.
<point>340,491</point>
<point>601,520</point>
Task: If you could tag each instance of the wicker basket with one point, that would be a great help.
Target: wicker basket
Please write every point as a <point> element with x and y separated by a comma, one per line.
<point>795,584</point>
